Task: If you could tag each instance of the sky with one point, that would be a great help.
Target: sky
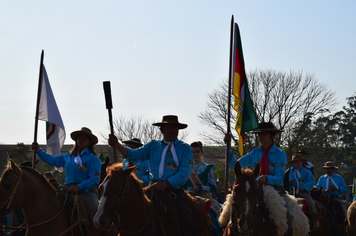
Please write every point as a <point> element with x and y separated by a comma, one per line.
<point>161,57</point>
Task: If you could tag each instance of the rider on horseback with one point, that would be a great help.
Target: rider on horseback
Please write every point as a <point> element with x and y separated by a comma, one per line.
<point>273,161</point>
<point>303,181</point>
<point>171,163</point>
<point>83,168</point>
<point>332,184</point>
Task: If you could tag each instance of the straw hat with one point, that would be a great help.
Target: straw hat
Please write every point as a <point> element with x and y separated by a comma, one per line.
<point>330,165</point>
<point>170,119</point>
<point>135,141</point>
<point>84,131</point>
<point>266,127</point>
<point>296,157</point>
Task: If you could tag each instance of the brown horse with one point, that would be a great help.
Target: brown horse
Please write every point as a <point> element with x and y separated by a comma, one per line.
<point>246,216</point>
<point>334,213</point>
<point>124,204</point>
<point>351,220</point>
<point>27,188</point>
<point>323,228</point>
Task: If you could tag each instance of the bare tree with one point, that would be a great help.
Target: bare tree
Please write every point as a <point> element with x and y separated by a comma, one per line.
<point>286,99</point>
<point>137,127</point>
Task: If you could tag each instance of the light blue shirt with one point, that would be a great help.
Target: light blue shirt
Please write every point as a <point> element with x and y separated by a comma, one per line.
<point>277,163</point>
<point>152,151</point>
<point>339,181</point>
<point>306,180</point>
<point>87,177</point>
<point>140,170</point>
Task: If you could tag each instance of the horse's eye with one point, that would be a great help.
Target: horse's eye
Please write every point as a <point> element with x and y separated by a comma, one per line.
<point>117,190</point>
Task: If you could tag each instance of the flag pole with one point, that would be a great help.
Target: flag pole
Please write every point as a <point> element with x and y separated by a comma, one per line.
<point>108,101</point>
<point>228,129</point>
<point>39,90</point>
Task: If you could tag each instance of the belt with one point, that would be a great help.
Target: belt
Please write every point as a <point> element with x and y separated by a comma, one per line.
<point>334,196</point>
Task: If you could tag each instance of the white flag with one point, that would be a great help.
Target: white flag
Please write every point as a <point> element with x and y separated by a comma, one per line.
<point>48,111</point>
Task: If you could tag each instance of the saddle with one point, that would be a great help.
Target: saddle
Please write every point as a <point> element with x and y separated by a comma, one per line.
<point>168,209</point>
<point>303,204</point>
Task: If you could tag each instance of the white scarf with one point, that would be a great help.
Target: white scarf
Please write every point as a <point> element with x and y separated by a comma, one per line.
<point>163,158</point>
<point>296,176</point>
<point>78,159</point>
<point>328,182</point>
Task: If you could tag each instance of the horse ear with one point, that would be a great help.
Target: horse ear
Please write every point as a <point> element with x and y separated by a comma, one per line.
<point>14,167</point>
<point>256,169</point>
<point>107,160</point>
<point>131,169</point>
<point>237,169</point>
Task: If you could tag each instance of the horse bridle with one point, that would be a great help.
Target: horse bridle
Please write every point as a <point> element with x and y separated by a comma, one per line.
<point>117,224</point>
<point>8,201</point>
<point>232,225</point>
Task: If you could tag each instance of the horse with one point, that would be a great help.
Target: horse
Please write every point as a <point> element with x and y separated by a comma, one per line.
<point>351,220</point>
<point>125,204</point>
<point>335,214</point>
<point>323,229</point>
<point>44,212</point>
<point>249,214</point>
<point>246,216</point>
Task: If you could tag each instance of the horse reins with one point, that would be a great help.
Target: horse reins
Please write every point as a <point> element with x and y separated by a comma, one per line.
<point>11,197</point>
<point>117,226</point>
<point>260,203</point>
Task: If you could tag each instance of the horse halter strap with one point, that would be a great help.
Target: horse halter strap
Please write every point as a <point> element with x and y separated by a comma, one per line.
<point>123,193</point>
<point>232,225</point>
<point>11,197</point>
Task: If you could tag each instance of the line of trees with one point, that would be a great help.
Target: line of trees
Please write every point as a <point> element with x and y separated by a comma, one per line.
<point>302,107</point>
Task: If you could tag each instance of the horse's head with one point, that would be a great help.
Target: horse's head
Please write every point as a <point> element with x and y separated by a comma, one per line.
<point>9,183</point>
<point>244,199</point>
<point>115,194</point>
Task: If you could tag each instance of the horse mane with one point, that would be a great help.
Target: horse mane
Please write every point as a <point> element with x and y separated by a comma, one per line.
<point>39,175</point>
<point>226,211</point>
<point>118,169</point>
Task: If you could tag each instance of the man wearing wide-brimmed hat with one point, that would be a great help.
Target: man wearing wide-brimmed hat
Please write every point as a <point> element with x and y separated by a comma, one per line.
<point>306,164</point>
<point>170,162</point>
<point>273,160</point>
<point>83,168</point>
<point>143,166</point>
<point>332,184</point>
<point>303,181</point>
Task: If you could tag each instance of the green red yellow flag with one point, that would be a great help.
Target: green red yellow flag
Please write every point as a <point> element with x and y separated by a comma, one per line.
<point>246,117</point>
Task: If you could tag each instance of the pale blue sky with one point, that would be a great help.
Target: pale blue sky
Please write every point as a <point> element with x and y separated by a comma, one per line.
<point>162,57</point>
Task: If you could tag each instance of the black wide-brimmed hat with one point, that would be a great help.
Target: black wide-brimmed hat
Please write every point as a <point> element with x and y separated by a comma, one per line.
<point>330,165</point>
<point>296,157</point>
<point>170,119</point>
<point>135,141</point>
<point>84,131</point>
<point>302,151</point>
<point>266,127</point>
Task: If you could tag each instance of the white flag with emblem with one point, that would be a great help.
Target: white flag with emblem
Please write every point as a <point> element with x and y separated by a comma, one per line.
<point>48,111</point>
